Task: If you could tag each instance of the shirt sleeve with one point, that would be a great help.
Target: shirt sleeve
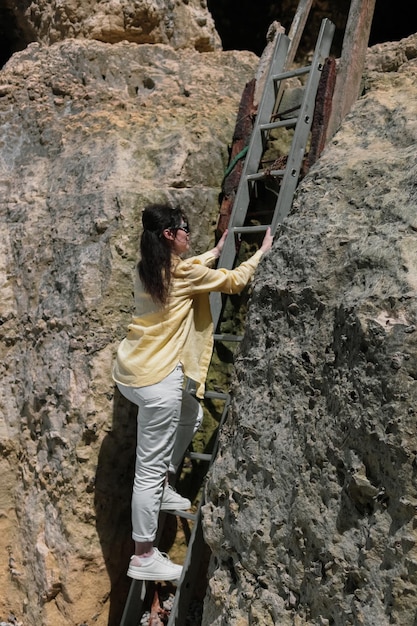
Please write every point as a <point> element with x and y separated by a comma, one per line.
<point>201,279</point>
<point>207,259</point>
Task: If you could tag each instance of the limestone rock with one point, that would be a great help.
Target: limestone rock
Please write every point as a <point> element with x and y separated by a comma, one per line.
<point>90,132</point>
<point>312,499</point>
<point>179,23</point>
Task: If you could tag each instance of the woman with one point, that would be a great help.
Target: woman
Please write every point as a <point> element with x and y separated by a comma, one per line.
<point>170,337</point>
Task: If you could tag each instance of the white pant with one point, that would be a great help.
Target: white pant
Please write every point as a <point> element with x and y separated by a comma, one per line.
<point>168,416</point>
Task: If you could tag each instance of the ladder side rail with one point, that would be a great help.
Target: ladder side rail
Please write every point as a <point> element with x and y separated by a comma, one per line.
<point>133,610</point>
<point>188,579</point>
<point>256,143</point>
<point>295,34</point>
<point>216,298</point>
<point>251,165</point>
<point>302,129</point>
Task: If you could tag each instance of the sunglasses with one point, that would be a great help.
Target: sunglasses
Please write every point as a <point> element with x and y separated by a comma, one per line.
<point>185,228</point>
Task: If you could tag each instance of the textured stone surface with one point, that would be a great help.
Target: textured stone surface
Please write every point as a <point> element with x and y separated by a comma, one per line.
<point>179,23</point>
<point>89,133</point>
<point>313,495</point>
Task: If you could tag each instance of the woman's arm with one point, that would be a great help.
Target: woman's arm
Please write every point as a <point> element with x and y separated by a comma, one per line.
<point>217,250</point>
<point>266,243</point>
<point>200,279</point>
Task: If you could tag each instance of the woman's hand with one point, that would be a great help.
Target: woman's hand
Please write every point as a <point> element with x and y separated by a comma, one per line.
<point>218,249</point>
<point>267,242</point>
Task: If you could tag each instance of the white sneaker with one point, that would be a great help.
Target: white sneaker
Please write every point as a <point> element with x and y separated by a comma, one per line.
<point>172,501</point>
<point>156,567</point>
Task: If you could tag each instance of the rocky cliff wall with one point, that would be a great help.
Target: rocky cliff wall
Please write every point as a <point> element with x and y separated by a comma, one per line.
<point>90,132</point>
<point>312,499</point>
<point>179,23</point>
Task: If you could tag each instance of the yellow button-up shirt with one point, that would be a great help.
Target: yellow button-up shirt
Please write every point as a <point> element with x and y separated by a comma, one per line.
<point>181,332</point>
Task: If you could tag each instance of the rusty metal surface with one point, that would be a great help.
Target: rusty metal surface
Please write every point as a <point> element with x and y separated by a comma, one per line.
<point>322,111</point>
<point>241,136</point>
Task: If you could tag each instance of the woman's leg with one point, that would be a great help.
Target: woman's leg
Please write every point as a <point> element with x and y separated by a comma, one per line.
<point>189,422</point>
<point>158,415</point>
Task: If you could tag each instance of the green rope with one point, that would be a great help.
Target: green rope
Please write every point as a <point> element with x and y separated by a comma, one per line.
<point>237,158</point>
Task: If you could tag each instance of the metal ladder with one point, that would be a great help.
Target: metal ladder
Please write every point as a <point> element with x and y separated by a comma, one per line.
<point>252,175</point>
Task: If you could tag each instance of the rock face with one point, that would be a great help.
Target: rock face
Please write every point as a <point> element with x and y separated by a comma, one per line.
<point>312,499</point>
<point>181,24</point>
<point>90,132</point>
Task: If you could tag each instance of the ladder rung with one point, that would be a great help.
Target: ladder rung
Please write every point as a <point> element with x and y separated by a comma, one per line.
<point>185,514</point>
<point>250,229</point>
<point>291,121</point>
<point>227,337</point>
<point>200,456</point>
<point>265,173</point>
<point>217,395</point>
<point>297,72</point>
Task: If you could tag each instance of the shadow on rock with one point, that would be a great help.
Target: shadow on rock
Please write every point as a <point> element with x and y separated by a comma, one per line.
<point>113,490</point>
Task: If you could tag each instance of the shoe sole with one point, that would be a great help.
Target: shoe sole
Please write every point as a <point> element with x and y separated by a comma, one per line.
<point>144,576</point>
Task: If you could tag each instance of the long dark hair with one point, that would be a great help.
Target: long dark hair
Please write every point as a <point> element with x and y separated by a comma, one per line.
<point>155,250</point>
